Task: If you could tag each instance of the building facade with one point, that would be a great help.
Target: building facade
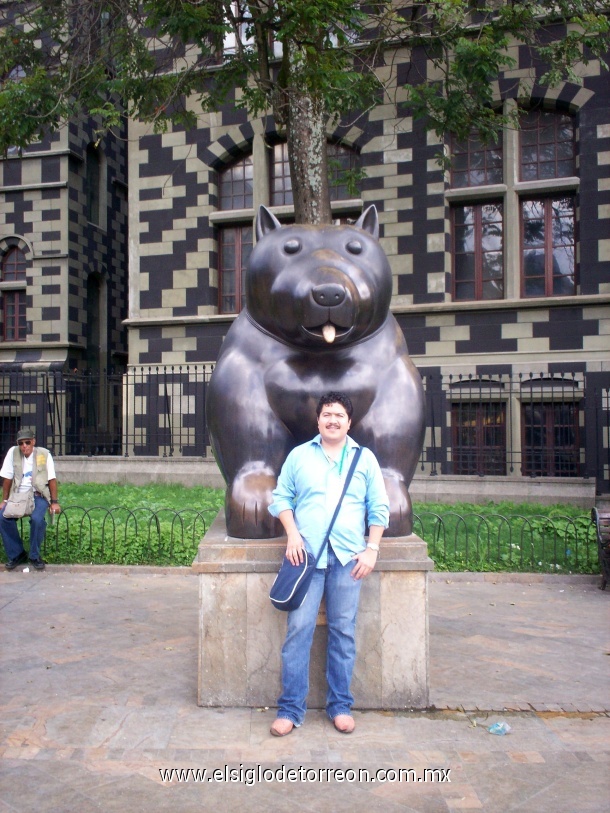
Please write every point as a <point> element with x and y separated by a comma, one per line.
<point>501,265</point>
<point>64,282</point>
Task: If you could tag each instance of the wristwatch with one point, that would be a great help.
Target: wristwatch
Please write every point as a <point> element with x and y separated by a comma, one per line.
<point>373,546</point>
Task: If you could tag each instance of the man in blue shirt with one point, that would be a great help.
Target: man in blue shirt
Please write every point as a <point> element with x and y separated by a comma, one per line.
<point>307,492</point>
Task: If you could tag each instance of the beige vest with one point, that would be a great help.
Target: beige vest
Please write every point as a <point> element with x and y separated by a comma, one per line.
<point>40,473</point>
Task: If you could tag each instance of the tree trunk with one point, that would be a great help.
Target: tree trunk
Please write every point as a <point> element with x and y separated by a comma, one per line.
<point>306,136</point>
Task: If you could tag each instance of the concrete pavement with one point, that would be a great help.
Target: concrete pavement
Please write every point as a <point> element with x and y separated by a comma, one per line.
<point>98,681</point>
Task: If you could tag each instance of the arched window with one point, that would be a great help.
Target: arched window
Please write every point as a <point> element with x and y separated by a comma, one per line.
<point>234,241</point>
<point>550,426</point>
<point>342,163</point>
<point>548,246</point>
<point>236,185</point>
<point>13,265</point>
<point>537,202</point>
<point>547,145</point>
<point>235,217</point>
<point>14,312</point>
<point>281,184</point>
<point>235,245</point>
<point>478,265</point>
<point>548,224</point>
<point>474,163</point>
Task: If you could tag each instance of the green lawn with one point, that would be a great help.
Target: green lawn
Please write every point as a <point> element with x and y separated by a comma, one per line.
<point>153,497</point>
<point>163,524</point>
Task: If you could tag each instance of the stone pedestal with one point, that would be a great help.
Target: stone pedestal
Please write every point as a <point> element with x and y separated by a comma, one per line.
<point>241,633</point>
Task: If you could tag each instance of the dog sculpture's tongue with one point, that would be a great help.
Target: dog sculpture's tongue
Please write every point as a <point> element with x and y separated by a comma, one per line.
<point>328,331</point>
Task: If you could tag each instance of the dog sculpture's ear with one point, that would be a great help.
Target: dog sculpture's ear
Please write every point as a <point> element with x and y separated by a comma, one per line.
<point>369,221</point>
<point>266,222</point>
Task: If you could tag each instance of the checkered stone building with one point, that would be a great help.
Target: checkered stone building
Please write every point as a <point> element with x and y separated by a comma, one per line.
<point>63,283</point>
<point>501,266</point>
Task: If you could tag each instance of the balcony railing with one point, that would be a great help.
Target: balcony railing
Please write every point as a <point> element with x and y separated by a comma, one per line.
<point>534,425</point>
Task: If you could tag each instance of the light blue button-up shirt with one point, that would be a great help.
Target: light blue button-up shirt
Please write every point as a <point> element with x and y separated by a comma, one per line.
<point>310,485</point>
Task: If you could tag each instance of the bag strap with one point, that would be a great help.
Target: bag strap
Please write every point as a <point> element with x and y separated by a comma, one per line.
<point>351,470</point>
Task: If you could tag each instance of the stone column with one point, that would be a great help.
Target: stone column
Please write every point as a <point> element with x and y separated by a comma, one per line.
<point>241,633</point>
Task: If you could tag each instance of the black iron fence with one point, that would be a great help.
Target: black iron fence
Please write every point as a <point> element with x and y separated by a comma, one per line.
<point>477,542</point>
<point>77,413</point>
<point>156,411</point>
<point>535,425</point>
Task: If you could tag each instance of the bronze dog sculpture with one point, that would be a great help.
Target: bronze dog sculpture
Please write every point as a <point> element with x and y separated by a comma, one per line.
<point>317,319</point>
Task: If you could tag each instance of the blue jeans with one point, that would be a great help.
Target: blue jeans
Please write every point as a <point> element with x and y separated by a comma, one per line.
<point>342,593</point>
<point>13,544</point>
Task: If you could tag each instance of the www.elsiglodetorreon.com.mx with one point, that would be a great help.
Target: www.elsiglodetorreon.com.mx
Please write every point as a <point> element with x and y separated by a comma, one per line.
<point>258,774</point>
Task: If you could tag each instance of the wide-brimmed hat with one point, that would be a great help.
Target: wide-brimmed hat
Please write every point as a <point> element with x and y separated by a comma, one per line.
<point>26,433</point>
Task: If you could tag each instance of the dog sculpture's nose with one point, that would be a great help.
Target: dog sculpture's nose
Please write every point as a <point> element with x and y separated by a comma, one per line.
<point>329,295</point>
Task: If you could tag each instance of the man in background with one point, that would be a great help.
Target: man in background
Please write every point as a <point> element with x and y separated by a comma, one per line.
<point>27,466</point>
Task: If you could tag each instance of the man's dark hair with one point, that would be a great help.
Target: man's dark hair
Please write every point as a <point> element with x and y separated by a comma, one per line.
<point>335,398</point>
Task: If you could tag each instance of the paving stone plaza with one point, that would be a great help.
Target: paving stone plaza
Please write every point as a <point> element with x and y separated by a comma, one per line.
<point>99,687</point>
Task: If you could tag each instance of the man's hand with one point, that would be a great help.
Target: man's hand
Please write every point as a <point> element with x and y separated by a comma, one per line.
<point>365,562</point>
<point>295,547</point>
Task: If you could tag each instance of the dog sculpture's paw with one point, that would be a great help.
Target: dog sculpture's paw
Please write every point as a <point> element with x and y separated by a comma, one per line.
<point>247,503</point>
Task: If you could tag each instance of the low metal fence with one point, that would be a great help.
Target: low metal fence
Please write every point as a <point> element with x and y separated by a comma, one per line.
<point>123,536</point>
<point>557,544</point>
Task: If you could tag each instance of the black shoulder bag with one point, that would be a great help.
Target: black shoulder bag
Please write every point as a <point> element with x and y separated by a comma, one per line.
<point>291,584</point>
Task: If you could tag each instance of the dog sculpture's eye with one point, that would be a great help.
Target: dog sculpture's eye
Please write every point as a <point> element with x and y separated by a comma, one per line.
<point>354,247</point>
<point>292,246</point>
